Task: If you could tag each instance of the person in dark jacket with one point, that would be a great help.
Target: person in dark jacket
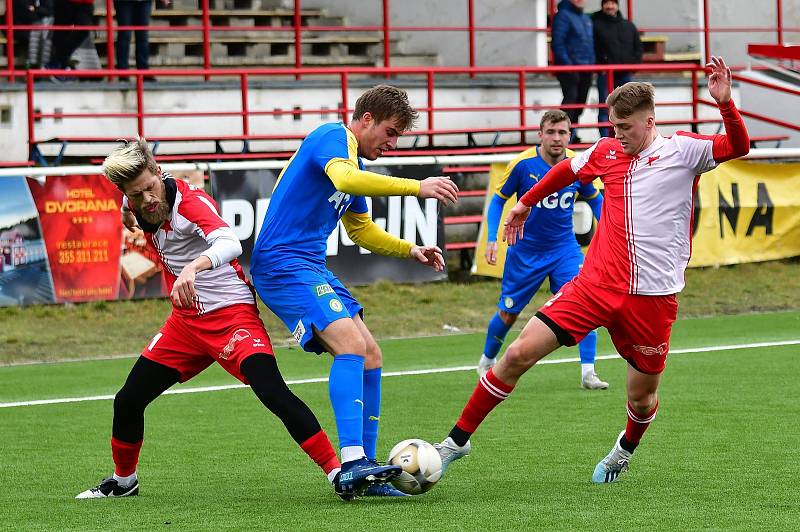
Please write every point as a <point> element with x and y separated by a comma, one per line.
<point>616,41</point>
<point>65,42</point>
<point>573,44</point>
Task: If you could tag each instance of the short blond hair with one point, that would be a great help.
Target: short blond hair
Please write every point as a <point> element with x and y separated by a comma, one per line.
<point>632,97</point>
<point>127,162</point>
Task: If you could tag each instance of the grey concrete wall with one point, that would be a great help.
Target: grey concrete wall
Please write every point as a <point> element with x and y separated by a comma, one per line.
<point>516,48</point>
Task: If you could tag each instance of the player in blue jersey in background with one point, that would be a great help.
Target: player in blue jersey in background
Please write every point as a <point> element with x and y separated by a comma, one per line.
<point>548,248</point>
<point>324,182</point>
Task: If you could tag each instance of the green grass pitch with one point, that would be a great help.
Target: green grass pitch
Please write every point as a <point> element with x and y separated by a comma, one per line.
<point>723,453</point>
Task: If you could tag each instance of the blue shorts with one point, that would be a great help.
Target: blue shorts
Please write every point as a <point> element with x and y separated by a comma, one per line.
<point>304,297</point>
<point>525,271</point>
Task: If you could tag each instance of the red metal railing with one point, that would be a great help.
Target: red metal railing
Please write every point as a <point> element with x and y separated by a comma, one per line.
<point>206,29</point>
<point>430,110</point>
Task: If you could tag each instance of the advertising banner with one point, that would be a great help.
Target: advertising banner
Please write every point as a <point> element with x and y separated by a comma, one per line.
<point>24,271</point>
<point>243,198</point>
<point>80,221</point>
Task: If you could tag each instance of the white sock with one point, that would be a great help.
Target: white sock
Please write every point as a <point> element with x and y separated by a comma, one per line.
<point>486,361</point>
<point>333,474</point>
<point>125,482</point>
<point>586,369</point>
<point>352,452</point>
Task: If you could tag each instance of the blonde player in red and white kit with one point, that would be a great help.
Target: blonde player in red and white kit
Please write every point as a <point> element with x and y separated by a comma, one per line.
<point>214,317</point>
<point>635,264</point>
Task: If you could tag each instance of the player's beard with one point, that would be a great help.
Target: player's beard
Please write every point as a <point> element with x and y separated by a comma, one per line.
<point>158,216</point>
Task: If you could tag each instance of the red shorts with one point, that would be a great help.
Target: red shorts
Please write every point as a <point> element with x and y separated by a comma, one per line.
<point>190,344</point>
<point>639,325</point>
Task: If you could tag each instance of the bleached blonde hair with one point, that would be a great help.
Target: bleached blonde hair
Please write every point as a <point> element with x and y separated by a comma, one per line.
<point>127,162</point>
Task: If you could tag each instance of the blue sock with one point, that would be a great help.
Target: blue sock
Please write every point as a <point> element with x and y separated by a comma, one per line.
<point>372,410</point>
<point>346,390</point>
<point>588,348</point>
<point>495,336</point>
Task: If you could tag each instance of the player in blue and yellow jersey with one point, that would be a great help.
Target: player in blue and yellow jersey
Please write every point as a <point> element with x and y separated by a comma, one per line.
<point>548,249</point>
<point>325,182</point>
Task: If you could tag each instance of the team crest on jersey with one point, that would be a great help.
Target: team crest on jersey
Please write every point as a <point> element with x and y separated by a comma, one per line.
<point>336,305</point>
<point>661,349</point>
<point>299,331</point>
<point>237,336</point>
<point>508,302</point>
<point>651,160</point>
<point>323,289</point>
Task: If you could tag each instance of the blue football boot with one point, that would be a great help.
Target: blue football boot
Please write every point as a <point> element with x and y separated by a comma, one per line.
<point>357,475</point>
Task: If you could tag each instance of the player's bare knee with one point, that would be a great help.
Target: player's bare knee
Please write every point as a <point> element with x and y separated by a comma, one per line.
<point>517,359</point>
<point>642,402</point>
<point>374,358</point>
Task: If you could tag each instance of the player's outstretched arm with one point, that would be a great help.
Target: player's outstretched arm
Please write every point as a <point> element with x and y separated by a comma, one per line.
<point>512,227</point>
<point>736,141</point>
<point>367,234</point>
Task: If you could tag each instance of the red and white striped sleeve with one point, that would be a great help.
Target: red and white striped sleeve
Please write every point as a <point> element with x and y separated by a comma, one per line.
<point>704,152</point>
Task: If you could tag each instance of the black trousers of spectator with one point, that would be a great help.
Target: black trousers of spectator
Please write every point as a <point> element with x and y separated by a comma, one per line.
<point>575,88</point>
<point>65,42</point>
<point>133,13</point>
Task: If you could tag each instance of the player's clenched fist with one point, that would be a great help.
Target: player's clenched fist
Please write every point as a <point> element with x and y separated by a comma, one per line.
<point>512,228</point>
<point>441,188</point>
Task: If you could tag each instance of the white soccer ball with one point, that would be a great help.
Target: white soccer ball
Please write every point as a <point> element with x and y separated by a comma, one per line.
<point>421,463</point>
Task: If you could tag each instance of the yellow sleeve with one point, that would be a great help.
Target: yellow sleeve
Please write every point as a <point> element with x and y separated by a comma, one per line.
<point>347,177</point>
<point>367,234</point>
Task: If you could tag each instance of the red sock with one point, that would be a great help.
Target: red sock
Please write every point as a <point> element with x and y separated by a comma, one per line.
<point>126,456</point>
<point>318,447</point>
<point>489,393</point>
<point>637,423</point>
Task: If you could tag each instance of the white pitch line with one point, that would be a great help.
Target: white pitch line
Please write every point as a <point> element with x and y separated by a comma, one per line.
<point>201,389</point>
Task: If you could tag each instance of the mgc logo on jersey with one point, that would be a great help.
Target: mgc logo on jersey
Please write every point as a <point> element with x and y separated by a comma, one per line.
<point>554,201</point>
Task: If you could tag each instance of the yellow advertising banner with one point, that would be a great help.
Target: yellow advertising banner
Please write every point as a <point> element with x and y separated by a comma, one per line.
<point>748,212</point>
<point>745,211</point>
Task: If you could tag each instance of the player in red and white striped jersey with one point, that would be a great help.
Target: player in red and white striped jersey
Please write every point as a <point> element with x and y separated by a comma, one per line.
<point>214,317</point>
<point>635,264</point>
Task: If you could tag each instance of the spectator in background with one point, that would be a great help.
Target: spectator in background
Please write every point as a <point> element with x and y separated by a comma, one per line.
<point>616,41</point>
<point>39,45</point>
<point>65,42</point>
<point>134,13</point>
<point>573,44</point>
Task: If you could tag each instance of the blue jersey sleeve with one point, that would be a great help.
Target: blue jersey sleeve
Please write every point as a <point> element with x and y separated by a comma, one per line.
<point>493,217</point>
<point>359,205</point>
<point>332,145</point>
<point>511,185</point>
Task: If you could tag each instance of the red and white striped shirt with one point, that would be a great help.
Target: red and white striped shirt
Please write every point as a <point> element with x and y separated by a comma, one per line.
<point>191,230</point>
<point>643,240</point>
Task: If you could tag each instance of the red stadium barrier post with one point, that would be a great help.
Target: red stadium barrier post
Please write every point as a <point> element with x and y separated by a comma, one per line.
<point>387,52</point>
<point>29,101</point>
<point>10,39</point>
<point>298,44</point>
<point>110,38</point>
<point>206,37</point>
<point>522,119</point>
<point>140,100</point>
<point>245,108</point>
<point>695,114</point>
<point>779,7</point>
<point>430,106</point>
<point>471,25</point>
<point>345,104</point>
<point>706,34</point>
